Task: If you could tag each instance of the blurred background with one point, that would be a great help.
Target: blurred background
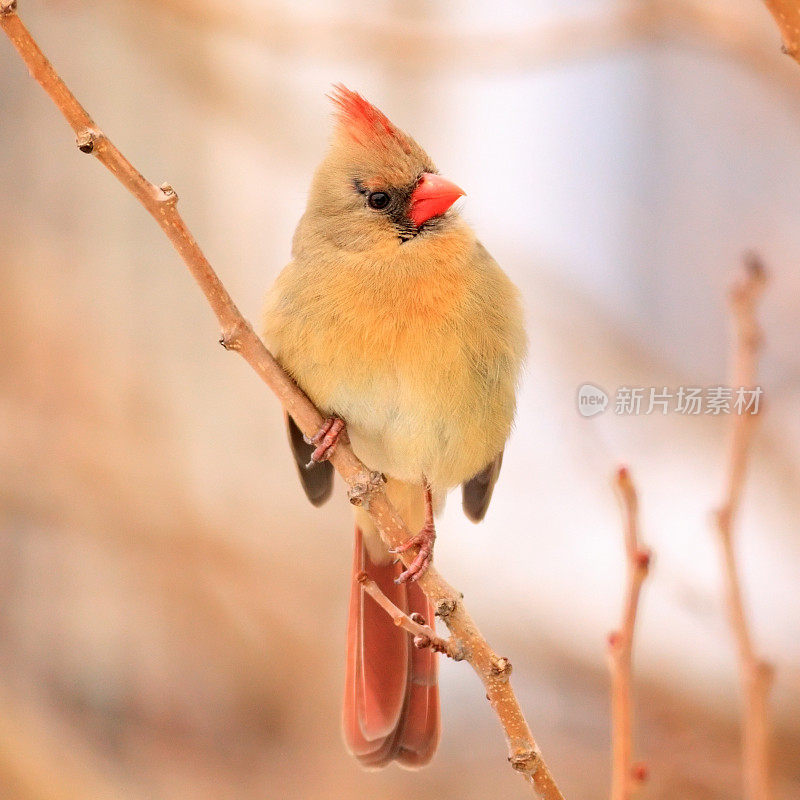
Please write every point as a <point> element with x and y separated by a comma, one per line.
<point>171,609</point>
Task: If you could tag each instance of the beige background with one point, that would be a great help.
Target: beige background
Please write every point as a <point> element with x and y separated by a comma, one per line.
<point>171,610</point>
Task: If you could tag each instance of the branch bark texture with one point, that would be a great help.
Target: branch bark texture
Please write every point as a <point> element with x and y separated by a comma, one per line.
<point>787,14</point>
<point>365,487</point>
<point>755,674</point>
<point>625,775</point>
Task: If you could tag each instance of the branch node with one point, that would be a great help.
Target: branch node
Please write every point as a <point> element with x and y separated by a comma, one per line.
<point>87,139</point>
<point>170,196</point>
<point>364,485</point>
<point>501,667</point>
<point>722,519</point>
<point>231,337</point>
<point>452,648</point>
<point>444,608</point>
<point>642,558</point>
<point>8,7</point>
<point>456,650</point>
<point>764,673</point>
<point>525,761</point>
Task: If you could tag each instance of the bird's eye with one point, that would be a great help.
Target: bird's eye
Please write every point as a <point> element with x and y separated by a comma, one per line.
<point>378,200</point>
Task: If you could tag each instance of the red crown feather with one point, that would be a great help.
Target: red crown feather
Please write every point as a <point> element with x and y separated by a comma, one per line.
<point>362,121</point>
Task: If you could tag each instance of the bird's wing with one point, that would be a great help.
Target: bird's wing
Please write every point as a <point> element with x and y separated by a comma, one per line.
<point>317,480</point>
<point>477,492</point>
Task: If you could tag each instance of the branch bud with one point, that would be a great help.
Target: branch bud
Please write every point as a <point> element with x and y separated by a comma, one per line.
<point>501,666</point>
<point>364,485</point>
<point>643,559</point>
<point>525,761</point>
<point>445,607</point>
<point>86,141</point>
<point>232,335</point>
<point>170,195</point>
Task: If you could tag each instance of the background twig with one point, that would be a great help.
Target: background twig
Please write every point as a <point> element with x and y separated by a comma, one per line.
<point>572,36</point>
<point>625,775</point>
<point>365,487</point>
<point>755,674</point>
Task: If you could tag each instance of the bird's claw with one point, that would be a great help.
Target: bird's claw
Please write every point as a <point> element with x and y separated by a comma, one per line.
<point>326,439</point>
<point>416,569</point>
<point>423,540</point>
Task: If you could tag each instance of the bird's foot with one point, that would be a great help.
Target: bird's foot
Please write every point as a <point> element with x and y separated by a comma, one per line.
<point>326,439</point>
<point>423,540</point>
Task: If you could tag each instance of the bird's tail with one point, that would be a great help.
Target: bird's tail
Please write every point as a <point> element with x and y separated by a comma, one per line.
<point>391,700</point>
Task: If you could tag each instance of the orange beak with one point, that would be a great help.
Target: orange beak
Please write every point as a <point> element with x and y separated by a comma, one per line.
<point>432,197</point>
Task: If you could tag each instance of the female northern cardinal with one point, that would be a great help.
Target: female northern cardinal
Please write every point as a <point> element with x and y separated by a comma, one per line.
<point>393,317</point>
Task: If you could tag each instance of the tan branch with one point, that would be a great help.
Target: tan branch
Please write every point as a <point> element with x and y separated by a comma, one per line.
<point>365,487</point>
<point>787,15</point>
<point>625,775</point>
<point>755,674</point>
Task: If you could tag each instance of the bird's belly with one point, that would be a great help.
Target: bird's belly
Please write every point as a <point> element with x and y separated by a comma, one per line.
<point>422,396</point>
<point>413,432</point>
<point>389,431</point>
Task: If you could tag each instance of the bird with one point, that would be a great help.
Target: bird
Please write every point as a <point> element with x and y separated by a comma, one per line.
<point>401,328</point>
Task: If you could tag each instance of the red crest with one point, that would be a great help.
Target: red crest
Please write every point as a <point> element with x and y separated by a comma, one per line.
<point>362,121</point>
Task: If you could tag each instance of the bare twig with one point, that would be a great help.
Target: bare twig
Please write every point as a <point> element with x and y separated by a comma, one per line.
<point>755,674</point>
<point>626,775</point>
<point>787,15</point>
<point>365,487</point>
<point>424,634</point>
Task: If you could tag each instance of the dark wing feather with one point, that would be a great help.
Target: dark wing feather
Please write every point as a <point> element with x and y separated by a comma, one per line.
<point>317,480</point>
<point>477,492</point>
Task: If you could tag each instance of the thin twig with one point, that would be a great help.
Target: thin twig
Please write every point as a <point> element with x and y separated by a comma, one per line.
<point>755,674</point>
<point>365,487</point>
<point>625,775</point>
<point>424,634</point>
<point>787,15</point>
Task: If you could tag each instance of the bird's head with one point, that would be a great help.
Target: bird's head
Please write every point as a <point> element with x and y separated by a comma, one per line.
<point>377,185</point>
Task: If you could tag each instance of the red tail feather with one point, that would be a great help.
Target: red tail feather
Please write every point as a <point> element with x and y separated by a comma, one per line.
<point>391,703</point>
